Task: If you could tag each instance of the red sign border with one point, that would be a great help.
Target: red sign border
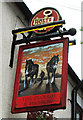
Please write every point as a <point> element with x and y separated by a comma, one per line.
<point>63,82</point>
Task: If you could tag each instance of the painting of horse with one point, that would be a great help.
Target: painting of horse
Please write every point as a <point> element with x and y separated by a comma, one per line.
<point>51,68</point>
<point>31,70</point>
<point>41,70</point>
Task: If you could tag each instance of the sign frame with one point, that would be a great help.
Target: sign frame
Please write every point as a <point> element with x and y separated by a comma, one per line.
<point>62,103</point>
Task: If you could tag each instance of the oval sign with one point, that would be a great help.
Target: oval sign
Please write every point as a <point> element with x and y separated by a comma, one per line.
<point>43,16</point>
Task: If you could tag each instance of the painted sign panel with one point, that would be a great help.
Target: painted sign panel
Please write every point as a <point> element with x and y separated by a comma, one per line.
<point>43,16</point>
<point>41,76</point>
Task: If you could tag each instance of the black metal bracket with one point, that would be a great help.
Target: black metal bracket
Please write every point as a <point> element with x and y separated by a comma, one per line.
<point>13,46</point>
<point>33,28</point>
<point>12,50</point>
<point>28,39</point>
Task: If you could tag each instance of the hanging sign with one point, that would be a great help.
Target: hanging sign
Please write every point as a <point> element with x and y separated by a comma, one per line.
<point>43,16</point>
<point>41,76</point>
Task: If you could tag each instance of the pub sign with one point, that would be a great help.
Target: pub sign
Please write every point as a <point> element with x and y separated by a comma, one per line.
<point>41,73</point>
<point>43,16</point>
<point>41,76</point>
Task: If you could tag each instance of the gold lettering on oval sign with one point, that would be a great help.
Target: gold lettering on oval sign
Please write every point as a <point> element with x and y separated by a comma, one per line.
<point>47,19</point>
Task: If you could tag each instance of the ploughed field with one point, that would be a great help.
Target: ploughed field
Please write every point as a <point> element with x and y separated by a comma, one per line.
<point>40,87</point>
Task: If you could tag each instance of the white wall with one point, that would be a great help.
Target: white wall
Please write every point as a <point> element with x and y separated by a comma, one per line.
<point>0,61</point>
<point>10,21</point>
<point>82,41</point>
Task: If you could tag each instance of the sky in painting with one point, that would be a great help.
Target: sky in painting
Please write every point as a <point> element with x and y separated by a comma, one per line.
<point>41,56</point>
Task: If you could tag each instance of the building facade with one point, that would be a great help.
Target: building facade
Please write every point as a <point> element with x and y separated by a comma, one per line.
<point>14,16</point>
<point>72,82</point>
